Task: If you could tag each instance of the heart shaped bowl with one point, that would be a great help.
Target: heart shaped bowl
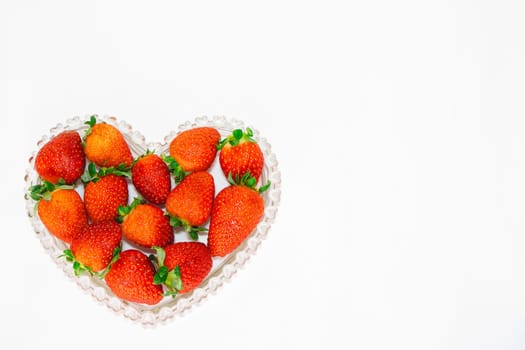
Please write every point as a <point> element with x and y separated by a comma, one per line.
<point>223,268</point>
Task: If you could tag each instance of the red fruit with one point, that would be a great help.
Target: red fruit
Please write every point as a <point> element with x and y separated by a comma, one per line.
<point>151,178</point>
<point>194,261</point>
<point>190,202</point>
<point>236,212</point>
<point>105,146</point>
<point>240,154</point>
<point>131,278</point>
<point>102,198</point>
<point>61,158</point>
<point>195,149</point>
<point>94,248</point>
<point>145,225</point>
<point>60,209</point>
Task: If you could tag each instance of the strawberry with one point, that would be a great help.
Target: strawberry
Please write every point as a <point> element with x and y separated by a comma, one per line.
<point>95,247</point>
<point>151,178</point>
<point>240,154</point>
<point>193,150</point>
<point>61,158</point>
<point>60,209</point>
<point>182,266</point>
<point>236,211</point>
<point>131,278</point>
<point>105,192</point>
<point>105,146</point>
<point>189,204</point>
<point>145,224</point>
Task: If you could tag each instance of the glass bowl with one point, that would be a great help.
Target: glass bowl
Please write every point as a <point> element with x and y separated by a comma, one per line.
<point>223,268</point>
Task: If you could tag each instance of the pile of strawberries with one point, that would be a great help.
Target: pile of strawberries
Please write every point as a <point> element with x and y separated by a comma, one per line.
<point>177,191</point>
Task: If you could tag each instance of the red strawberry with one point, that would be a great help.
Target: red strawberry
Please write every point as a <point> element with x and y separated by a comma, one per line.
<point>131,278</point>
<point>61,209</point>
<point>145,224</point>
<point>240,154</point>
<point>237,210</point>
<point>105,146</point>
<point>193,150</point>
<point>61,158</point>
<point>183,266</point>
<point>104,193</point>
<point>95,247</point>
<point>189,204</point>
<point>151,178</point>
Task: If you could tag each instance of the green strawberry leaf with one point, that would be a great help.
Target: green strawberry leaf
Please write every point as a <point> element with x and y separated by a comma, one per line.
<point>90,123</point>
<point>161,275</point>
<point>161,255</point>
<point>265,187</point>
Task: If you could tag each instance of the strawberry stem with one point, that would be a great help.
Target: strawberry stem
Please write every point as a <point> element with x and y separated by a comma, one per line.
<point>44,190</point>
<point>124,210</point>
<point>78,267</point>
<point>91,123</point>
<point>248,181</point>
<point>91,174</point>
<point>193,231</point>
<point>170,279</point>
<point>175,169</point>
<point>236,137</point>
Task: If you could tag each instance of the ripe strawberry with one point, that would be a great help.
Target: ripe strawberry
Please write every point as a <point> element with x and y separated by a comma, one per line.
<point>61,158</point>
<point>95,247</point>
<point>193,150</point>
<point>105,146</point>
<point>131,278</point>
<point>145,224</point>
<point>61,209</point>
<point>151,178</point>
<point>104,193</point>
<point>182,266</point>
<point>240,154</point>
<point>237,210</point>
<point>189,204</point>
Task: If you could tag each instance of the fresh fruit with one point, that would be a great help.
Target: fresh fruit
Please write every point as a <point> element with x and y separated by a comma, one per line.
<point>95,247</point>
<point>61,158</point>
<point>182,266</point>
<point>60,209</point>
<point>105,146</point>
<point>151,178</point>
<point>104,193</point>
<point>145,224</point>
<point>131,278</point>
<point>236,211</point>
<point>189,204</point>
<point>240,154</point>
<point>193,150</point>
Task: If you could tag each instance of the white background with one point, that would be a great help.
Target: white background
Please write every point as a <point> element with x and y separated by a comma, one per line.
<point>399,127</point>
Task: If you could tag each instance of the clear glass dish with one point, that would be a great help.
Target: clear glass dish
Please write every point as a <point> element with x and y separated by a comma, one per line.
<point>223,268</point>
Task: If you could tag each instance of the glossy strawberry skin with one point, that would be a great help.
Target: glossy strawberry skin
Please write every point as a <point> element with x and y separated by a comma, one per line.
<point>63,215</point>
<point>192,199</point>
<point>194,260</point>
<point>131,278</point>
<point>241,159</point>
<point>147,226</point>
<point>94,246</point>
<point>152,179</point>
<point>106,147</point>
<point>236,212</point>
<point>61,158</point>
<point>195,149</point>
<point>102,198</point>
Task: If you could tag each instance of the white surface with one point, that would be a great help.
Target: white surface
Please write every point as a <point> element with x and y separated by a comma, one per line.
<point>399,128</point>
